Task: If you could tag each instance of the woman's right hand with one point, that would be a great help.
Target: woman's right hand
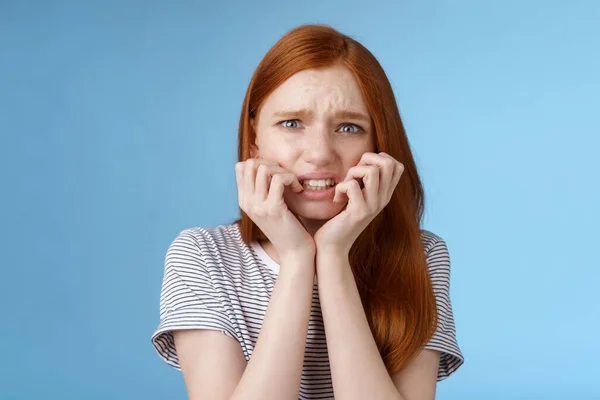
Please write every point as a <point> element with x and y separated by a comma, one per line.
<point>261,184</point>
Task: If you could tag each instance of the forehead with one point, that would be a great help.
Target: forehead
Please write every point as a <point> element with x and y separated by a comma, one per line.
<point>326,89</point>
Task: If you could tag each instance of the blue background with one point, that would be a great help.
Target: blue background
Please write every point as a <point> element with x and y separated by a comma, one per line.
<point>119,121</point>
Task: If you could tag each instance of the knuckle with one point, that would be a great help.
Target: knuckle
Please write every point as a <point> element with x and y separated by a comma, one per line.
<point>263,169</point>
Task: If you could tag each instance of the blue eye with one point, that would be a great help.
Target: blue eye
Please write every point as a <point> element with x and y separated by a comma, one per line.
<point>289,124</point>
<point>355,130</point>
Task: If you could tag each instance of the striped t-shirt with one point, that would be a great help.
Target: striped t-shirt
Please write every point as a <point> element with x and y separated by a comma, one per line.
<point>213,280</point>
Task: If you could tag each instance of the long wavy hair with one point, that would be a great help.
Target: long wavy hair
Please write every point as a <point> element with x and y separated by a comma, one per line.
<point>387,259</point>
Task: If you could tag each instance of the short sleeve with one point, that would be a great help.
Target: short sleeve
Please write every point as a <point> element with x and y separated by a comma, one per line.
<point>188,298</point>
<point>444,339</point>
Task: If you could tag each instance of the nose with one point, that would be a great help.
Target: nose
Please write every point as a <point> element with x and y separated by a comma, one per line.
<point>318,147</point>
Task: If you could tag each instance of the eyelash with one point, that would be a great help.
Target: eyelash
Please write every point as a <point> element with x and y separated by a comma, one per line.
<point>358,127</point>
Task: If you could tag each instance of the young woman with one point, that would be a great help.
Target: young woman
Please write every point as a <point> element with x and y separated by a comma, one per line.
<point>327,286</point>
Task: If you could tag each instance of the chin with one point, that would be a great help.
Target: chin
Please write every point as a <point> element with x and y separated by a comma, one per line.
<point>321,211</point>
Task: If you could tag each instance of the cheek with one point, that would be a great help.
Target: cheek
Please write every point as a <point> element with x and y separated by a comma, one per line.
<point>354,155</point>
<point>356,159</point>
<point>275,147</point>
<point>353,159</point>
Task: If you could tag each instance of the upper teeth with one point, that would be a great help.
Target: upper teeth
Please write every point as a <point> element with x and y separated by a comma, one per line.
<point>319,182</point>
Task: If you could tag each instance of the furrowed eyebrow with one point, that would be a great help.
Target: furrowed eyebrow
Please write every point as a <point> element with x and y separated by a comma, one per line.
<point>304,113</point>
<point>352,115</point>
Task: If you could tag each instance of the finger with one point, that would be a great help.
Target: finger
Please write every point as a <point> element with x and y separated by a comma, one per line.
<point>291,180</point>
<point>264,175</point>
<point>352,190</point>
<point>398,166</point>
<point>278,184</point>
<point>339,195</point>
<point>398,171</point>
<point>250,169</point>
<point>369,176</point>
<point>250,174</point>
<point>239,173</point>
<point>396,174</point>
<point>263,179</point>
<point>384,161</point>
<point>386,164</point>
<point>239,180</point>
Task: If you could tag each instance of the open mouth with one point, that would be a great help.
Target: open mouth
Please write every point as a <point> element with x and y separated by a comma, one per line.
<point>318,184</point>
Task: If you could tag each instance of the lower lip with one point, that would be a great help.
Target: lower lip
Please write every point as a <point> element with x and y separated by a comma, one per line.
<point>323,194</point>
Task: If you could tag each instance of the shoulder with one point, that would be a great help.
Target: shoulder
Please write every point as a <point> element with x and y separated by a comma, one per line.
<point>208,246</point>
<point>431,240</point>
<point>205,240</point>
<point>436,255</point>
<point>434,246</point>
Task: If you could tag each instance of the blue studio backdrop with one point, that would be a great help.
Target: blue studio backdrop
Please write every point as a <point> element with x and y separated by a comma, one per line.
<point>119,123</point>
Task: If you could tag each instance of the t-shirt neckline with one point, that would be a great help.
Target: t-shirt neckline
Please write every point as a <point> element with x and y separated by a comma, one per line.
<point>265,257</point>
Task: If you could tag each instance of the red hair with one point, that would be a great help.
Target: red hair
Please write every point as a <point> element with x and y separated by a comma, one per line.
<point>387,259</point>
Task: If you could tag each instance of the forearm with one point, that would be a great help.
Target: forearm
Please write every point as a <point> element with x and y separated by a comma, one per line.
<point>357,370</point>
<point>275,368</point>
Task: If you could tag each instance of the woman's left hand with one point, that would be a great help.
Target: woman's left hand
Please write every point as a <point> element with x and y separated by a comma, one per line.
<point>380,173</point>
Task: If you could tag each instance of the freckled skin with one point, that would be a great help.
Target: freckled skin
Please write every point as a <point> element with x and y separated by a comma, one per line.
<point>315,143</point>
